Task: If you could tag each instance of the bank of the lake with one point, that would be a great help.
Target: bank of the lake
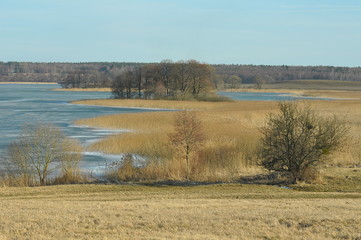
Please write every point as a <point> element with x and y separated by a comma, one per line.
<point>83,89</point>
<point>28,83</point>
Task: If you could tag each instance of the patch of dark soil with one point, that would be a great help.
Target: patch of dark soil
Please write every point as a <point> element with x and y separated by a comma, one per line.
<point>267,179</point>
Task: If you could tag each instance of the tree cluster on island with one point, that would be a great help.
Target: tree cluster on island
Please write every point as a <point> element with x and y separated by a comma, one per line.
<point>164,80</point>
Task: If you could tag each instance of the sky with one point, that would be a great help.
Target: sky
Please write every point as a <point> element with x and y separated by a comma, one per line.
<point>259,32</point>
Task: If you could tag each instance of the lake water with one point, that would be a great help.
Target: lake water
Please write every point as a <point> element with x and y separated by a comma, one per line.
<point>259,96</point>
<point>29,103</point>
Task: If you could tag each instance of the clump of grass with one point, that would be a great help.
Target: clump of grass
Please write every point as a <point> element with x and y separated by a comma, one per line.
<point>72,176</point>
<point>211,97</point>
<point>9,180</point>
<point>124,170</point>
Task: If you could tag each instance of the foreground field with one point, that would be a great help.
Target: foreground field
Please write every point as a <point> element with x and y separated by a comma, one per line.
<point>230,211</point>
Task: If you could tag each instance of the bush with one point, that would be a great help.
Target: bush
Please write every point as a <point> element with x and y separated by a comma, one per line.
<point>124,169</point>
<point>297,139</point>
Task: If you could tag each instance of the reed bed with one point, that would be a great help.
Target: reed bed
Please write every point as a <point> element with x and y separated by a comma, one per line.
<point>155,104</point>
<point>232,131</point>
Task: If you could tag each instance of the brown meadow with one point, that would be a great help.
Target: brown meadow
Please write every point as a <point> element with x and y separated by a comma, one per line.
<point>230,211</point>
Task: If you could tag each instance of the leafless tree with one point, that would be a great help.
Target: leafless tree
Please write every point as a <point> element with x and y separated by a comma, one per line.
<point>259,81</point>
<point>40,150</point>
<point>234,81</point>
<point>297,139</point>
<point>188,135</point>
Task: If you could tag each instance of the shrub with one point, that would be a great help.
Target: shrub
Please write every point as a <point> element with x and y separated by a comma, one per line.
<point>297,139</point>
<point>124,169</point>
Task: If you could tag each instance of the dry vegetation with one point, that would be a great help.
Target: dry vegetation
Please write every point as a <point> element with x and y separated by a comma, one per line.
<point>232,130</point>
<point>162,212</point>
<point>220,211</point>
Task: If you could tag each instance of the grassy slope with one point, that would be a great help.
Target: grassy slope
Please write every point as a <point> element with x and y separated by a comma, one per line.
<point>229,211</point>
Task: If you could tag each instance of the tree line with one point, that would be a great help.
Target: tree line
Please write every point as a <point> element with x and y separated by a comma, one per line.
<point>76,74</point>
<point>101,74</point>
<point>250,74</point>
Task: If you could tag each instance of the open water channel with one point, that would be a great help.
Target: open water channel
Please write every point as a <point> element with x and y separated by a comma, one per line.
<point>21,104</point>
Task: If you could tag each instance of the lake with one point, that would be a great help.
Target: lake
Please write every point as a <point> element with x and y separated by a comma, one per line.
<point>264,96</point>
<point>21,104</point>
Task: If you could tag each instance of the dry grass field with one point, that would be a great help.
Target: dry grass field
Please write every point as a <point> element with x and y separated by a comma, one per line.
<point>230,211</point>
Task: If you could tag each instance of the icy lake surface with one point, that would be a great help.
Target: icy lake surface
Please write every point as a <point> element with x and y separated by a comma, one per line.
<point>34,103</point>
<point>265,96</point>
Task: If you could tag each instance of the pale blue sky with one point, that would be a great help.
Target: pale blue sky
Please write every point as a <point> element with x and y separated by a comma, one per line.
<point>270,32</point>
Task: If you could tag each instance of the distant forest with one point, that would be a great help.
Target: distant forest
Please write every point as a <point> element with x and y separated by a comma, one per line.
<point>99,74</point>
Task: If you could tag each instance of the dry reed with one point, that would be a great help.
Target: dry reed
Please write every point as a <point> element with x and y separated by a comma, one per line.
<point>232,131</point>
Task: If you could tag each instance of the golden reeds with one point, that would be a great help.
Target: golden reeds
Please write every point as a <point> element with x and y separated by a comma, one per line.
<point>232,131</point>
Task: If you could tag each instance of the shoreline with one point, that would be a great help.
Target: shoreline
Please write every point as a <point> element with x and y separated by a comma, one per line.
<point>28,83</point>
<point>82,89</point>
<point>126,107</point>
<point>335,94</point>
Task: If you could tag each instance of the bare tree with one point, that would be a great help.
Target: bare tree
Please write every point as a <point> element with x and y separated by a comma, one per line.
<point>40,150</point>
<point>234,81</point>
<point>297,139</point>
<point>165,73</point>
<point>188,135</point>
<point>259,81</point>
